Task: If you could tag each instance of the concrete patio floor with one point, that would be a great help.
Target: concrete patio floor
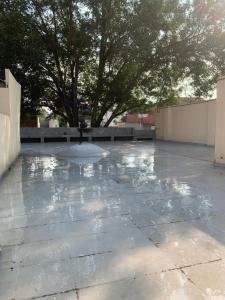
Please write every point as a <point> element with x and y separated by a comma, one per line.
<point>145,223</point>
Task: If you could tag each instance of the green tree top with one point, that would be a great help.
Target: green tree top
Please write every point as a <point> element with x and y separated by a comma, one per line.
<point>109,55</point>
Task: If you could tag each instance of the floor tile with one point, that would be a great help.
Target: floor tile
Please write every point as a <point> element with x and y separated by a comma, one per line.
<point>98,269</point>
<point>63,296</point>
<point>210,278</point>
<point>107,242</point>
<point>37,253</point>
<point>184,243</point>
<point>164,286</point>
<point>8,280</point>
<point>44,279</point>
<point>11,237</point>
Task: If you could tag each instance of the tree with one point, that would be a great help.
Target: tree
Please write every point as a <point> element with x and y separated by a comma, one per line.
<point>110,55</point>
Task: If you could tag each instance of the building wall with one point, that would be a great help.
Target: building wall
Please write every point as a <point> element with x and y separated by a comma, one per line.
<point>192,123</point>
<point>220,123</point>
<point>53,123</point>
<point>9,122</point>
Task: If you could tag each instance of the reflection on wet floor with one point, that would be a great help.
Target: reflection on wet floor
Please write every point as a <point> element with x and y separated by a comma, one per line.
<point>145,223</point>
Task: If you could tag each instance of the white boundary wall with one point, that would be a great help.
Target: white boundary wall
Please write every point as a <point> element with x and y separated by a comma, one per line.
<point>191,123</point>
<point>10,97</point>
<point>220,124</point>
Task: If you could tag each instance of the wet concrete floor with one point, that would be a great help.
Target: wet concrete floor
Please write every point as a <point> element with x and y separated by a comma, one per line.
<point>145,223</point>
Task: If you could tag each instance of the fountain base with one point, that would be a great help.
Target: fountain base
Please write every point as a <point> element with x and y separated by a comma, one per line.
<point>84,150</point>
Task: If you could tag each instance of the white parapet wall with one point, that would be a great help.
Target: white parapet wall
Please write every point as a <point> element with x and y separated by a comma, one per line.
<point>191,123</point>
<point>10,97</point>
<point>220,124</point>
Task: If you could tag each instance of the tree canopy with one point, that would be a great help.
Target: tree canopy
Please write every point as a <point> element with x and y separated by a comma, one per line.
<point>110,55</point>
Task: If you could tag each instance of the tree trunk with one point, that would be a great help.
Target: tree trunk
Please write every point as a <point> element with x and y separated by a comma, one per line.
<point>109,121</point>
<point>73,123</point>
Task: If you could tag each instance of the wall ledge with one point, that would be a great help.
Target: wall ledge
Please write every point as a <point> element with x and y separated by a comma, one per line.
<point>188,104</point>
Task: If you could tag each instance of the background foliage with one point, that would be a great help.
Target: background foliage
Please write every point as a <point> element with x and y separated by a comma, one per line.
<point>110,55</point>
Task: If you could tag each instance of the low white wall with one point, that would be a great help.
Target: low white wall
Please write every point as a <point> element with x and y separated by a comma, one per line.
<point>9,122</point>
<point>192,123</point>
<point>29,135</point>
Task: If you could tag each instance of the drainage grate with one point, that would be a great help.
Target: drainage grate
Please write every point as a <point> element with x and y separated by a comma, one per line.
<point>123,138</point>
<point>77,139</point>
<point>101,138</point>
<point>144,139</point>
<point>30,140</point>
<point>55,139</point>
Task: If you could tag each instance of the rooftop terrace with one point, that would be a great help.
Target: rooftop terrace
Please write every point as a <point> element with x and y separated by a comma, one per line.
<point>145,223</point>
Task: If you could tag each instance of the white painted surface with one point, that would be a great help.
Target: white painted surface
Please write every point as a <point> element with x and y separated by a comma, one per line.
<point>220,123</point>
<point>9,122</point>
<point>121,228</point>
<point>192,123</point>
